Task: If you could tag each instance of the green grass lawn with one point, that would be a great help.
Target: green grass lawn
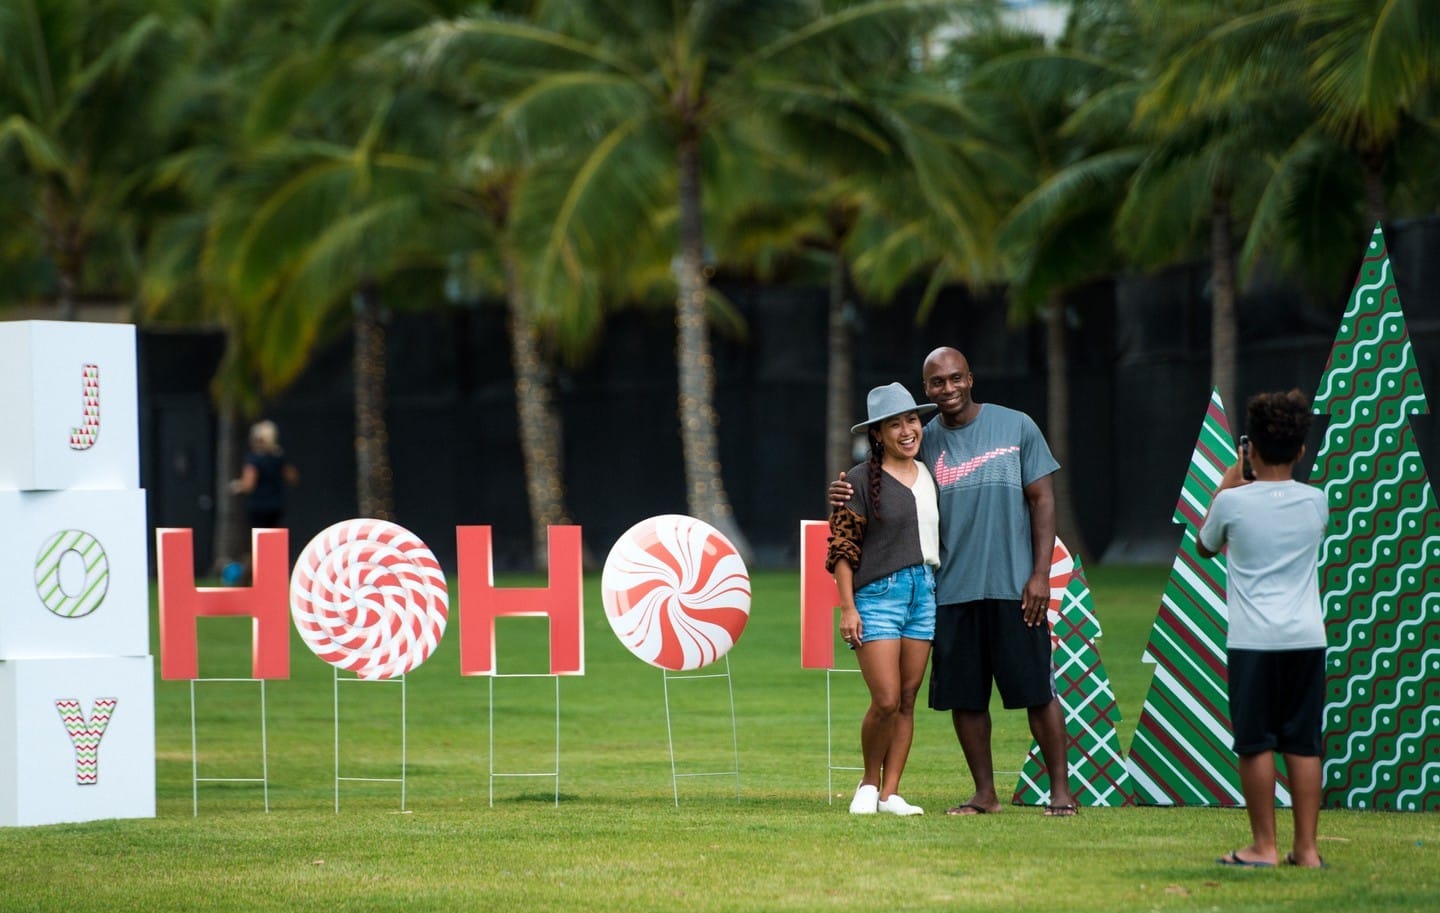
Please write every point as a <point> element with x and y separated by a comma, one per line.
<point>617,841</point>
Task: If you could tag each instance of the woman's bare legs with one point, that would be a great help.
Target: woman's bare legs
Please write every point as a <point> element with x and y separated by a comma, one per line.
<point>914,657</point>
<point>880,667</point>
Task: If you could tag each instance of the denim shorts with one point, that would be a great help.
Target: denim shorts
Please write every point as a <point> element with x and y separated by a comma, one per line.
<point>900,605</point>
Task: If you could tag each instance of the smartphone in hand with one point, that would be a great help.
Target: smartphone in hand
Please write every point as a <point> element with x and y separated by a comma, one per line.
<point>1245,470</point>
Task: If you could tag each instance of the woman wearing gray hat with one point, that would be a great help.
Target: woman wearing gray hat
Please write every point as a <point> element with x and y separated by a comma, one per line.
<point>884,547</point>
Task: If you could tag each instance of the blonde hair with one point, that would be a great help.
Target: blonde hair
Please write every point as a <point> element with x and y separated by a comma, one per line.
<point>265,437</point>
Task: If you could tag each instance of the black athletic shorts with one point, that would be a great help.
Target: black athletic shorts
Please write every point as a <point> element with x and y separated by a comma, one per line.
<point>1277,700</point>
<point>984,641</point>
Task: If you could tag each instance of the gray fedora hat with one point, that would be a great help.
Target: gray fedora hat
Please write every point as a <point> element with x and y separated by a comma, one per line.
<point>889,401</point>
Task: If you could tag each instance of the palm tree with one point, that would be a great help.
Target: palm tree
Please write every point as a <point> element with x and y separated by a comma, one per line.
<point>72,79</point>
<point>357,200</point>
<point>1056,121</point>
<point>1374,67</point>
<point>186,262</point>
<point>1361,75</point>
<point>491,192</point>
<point>495,179</point>
<point>648,91</point>
<point>1212,148</point>
<point>875,182</point>
<point>337,222</point>
<point>304,205</point>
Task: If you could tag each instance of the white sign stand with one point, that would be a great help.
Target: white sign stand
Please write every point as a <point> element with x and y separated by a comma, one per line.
<point>554,772</point>
<point>352,680</point>
<point>675,775</point>
<point>196,779</point>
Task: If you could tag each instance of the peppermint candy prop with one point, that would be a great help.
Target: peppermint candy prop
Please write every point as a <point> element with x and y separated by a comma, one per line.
<point>368,596</point>
<point>1062,568</point>
<point>676,592</point>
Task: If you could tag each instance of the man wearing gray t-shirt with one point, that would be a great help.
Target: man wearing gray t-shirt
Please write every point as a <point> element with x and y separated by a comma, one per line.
<point>992,469</point>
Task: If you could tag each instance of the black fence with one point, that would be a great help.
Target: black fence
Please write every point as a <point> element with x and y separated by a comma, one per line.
<point>1138,374</point>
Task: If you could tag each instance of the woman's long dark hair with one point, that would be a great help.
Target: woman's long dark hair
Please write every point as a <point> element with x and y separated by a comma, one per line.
<point>876,450</point>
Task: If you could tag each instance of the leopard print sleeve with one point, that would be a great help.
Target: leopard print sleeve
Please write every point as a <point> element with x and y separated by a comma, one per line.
<point>847,531</point>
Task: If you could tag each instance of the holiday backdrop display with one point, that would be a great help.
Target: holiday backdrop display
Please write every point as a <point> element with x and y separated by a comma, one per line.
<point>77,708</point>
<point>76,682</point>
<point>1380,581</point>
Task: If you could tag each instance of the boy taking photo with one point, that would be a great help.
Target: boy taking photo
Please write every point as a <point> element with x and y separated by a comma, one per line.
<point>1270,530</point>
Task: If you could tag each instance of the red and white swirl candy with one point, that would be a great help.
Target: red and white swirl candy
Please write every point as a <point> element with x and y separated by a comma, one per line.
<point>368,596</point>
<point>676,592</point>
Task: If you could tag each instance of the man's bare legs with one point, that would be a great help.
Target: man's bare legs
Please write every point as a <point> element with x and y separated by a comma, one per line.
<point>972,728</point>
<point>1047,725</point>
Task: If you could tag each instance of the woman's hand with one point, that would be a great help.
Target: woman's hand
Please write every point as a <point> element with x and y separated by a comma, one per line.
<point>852,629</point>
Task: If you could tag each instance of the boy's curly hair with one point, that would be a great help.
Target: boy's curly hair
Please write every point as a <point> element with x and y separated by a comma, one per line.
<point>1277,424</point>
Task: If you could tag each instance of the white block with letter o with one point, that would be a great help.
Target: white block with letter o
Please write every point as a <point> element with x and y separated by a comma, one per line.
<point>73,574</point>
<point>69,407</point>
<point>77,740</point>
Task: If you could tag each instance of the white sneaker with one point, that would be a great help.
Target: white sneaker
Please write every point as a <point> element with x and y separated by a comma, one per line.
<point>898,806</point>
<point>866,800</point>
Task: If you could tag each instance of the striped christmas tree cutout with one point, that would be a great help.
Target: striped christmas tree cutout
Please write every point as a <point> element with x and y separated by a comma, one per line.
<point>1182,752</point>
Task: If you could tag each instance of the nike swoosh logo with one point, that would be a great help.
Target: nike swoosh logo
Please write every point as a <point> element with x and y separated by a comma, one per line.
<point>946,474</point>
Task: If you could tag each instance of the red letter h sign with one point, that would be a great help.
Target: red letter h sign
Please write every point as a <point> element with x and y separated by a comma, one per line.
<point>181,602</point>
<point>481,602</point>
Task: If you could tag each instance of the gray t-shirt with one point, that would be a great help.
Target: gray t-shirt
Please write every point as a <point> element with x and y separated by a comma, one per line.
<point>1271,532</point>
<point>981,470</point>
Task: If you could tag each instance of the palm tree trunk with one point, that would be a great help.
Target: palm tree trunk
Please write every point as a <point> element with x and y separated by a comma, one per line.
<point>67,305</point>
<point>541,438</point>
<point>231,542</point>
<point>63,237</point>
<point>704,486</point>
<point>1223,337</point>
<point>840,380</point>
<point>372,439</point>
<point>1057,420</point>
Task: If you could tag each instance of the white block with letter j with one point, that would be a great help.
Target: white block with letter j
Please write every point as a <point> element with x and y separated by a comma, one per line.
<point>73,574</point>
<point>69,412</point>
<point>80,740</point>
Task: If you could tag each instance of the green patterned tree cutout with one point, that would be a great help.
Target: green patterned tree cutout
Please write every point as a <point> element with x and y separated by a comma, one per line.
<point>1097,766</point>
<point>1183,753</point>
<point>1380,564</point>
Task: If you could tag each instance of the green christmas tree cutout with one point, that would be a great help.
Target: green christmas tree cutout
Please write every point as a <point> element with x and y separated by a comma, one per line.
<point>1380,561</point>
<point>1097,767</point>
<point>1183,750</point>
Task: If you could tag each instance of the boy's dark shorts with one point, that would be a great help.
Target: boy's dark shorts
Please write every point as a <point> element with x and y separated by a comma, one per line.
<point>1277,700</point>
<point>988,640</point>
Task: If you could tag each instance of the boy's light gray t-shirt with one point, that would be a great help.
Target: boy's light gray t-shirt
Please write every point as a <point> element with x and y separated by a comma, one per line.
<point>1271,533</point>
<point>981,470</point>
